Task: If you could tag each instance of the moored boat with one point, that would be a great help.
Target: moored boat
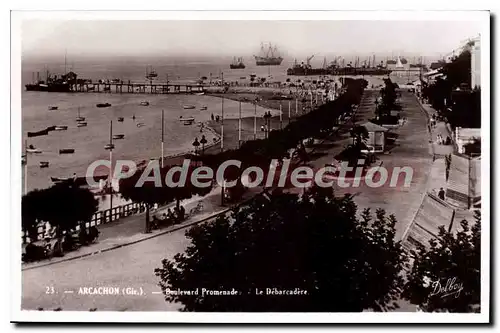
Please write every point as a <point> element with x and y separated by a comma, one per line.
<point>140,124</point>
<point>81,124</point>
<point>33,150</point>
<point>66,151</point>
<point>53,107</point>
<point>109,146</point>
<point>59,179</point>
<point>103,105</point>
<point>39,133</point>
<point>203,108</point>
<point>120,119</point>
<point>189,107</point>
<point>144,103</point>
<point>60,128</point>
<point>44,164</point>
<point>118,136</point>
<point>187,121</point>
<point>79,118</point>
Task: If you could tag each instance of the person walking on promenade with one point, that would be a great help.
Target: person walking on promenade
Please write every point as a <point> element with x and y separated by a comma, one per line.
<point>212,117</point>
<point>441,193</point>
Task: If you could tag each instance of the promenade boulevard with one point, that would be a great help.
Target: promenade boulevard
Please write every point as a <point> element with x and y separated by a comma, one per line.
<point>133,265</point>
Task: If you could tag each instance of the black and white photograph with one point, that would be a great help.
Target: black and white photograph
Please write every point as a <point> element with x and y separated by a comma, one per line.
<point>285,166</point>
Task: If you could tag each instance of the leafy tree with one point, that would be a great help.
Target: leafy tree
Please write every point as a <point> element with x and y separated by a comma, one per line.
<point>446,276</point>
<point>62,205</point>
<point>314,242</point>
<point>31,207</point>
<point>474,147</point>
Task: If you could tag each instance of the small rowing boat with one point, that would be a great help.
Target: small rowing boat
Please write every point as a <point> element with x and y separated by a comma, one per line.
<point>189,107</point>
<point>103,105</point>
<point>140,124</point>
<point>53,108</point>
<point>44,164</point>
<point>109,146</point>
<point>66,151</point>
<point>144,103</point>
<point>118,136</point>
<point>200,94</point>
<point>187,121</point>
<point>120,119</point>
<point>58,179</point>
<point>203,108</point>
<point>33,150</point>
<point>60,128</point>
<point>82,124</point>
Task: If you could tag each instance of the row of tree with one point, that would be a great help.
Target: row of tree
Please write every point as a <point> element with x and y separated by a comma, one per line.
<point>331,257</point>
<point>250,153</point>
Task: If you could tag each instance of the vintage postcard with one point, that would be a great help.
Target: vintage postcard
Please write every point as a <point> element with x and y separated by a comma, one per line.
<point>277,167</point>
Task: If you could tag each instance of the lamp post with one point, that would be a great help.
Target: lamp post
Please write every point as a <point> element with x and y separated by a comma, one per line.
<point>110,146</point>
<point>239,126</point>
<point>222,119</point>
<point>162,131</point>
<point>203,142</point>
<point>255,120</point>
<point>196,144</point>
<point>281,115</point>
<point>267,121</point>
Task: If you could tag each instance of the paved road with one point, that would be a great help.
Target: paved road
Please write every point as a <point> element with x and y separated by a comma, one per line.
<point>130,266</point>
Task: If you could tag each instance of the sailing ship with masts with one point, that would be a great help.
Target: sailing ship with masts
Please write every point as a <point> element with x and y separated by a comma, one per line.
<point>269,57</point>
<point>151,73</point>
<point>237,63</point>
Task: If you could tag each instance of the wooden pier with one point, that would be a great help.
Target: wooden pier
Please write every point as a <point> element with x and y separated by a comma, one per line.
<point>138,88</point>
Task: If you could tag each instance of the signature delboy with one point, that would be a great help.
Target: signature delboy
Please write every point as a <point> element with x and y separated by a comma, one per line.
<point>450,288</point>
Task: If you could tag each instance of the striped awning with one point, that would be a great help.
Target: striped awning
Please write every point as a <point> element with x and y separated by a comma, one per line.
<point>464,181</point>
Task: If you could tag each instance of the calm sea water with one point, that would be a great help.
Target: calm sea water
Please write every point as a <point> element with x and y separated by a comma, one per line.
<point>140,143</point>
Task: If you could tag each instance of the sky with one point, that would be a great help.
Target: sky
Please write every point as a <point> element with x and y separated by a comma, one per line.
<point>242,38</point>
